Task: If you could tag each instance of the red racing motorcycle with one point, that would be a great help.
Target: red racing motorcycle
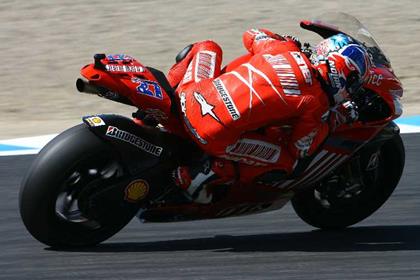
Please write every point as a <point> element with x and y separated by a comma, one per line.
<point>91,180</point>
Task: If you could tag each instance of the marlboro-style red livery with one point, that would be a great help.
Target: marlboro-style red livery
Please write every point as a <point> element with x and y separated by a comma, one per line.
<point>284,122</point>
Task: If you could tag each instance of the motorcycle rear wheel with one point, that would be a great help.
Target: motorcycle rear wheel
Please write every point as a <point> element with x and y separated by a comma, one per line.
<point>340,212</point>
<point>55,189</point>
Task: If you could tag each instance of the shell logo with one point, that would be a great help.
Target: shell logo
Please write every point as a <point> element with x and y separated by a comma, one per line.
<point>136,190</point>
<point>95,121</point>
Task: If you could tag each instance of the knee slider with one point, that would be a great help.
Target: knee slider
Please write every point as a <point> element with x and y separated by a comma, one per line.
<point>182,54</point>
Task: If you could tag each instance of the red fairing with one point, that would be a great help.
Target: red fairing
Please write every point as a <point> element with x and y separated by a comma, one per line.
<point>128,77</point>
<point>383,81</point>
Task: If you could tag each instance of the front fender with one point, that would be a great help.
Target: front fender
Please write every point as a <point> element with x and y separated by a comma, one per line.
<point>139,147</point>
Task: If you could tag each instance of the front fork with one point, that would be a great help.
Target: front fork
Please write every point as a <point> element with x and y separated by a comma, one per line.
<point>350,180</point>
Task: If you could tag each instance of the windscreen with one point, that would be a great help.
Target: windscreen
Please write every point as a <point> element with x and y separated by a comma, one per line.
<point>351,26</point>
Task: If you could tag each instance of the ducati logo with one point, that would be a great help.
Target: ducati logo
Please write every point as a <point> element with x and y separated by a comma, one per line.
<point>206,108</point>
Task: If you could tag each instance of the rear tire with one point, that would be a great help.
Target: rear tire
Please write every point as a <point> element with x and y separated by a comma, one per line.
<point>344,212</point>
<point>45,180</point>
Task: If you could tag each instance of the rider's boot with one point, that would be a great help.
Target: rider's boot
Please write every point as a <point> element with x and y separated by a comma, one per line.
<point>197,180</point>
<point>177,71</point>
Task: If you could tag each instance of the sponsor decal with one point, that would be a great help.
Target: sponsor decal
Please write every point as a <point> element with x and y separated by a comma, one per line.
<point>205,65</point>
<point>375,80</point>
<point>183,101</point>
<point>334,75</point>
<point>124,68</point>
<point>149,88</point>
<point>136,191</point>
<point>243,160</point>
<point>255,149</point>
<point>206,108</point>
<point>95,121</point>
<point>134,140</point>
<point>285,73</point>
<point>227,99</point>
<point>304,69</point>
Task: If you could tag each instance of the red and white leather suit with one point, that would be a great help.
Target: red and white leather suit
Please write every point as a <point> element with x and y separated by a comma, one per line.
<point>235,115</point>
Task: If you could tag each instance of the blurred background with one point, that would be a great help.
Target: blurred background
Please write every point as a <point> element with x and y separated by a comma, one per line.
<point>44,43</point>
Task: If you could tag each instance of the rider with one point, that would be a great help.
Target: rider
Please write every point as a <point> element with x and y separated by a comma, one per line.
<point>234,115</point>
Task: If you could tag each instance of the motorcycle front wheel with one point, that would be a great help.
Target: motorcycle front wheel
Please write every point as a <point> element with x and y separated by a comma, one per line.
<point>55,197</point>
<point>356,190</point>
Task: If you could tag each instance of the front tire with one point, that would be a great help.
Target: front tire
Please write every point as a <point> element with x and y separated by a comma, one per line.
<point>330,207</point>
<point>54,198</point>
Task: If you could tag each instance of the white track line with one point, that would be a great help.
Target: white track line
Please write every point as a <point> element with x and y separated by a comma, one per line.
<point>30,145</point>
<point>405,128</point>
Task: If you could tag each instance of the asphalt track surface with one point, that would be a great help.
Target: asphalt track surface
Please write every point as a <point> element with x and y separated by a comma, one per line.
<point>274,245</point>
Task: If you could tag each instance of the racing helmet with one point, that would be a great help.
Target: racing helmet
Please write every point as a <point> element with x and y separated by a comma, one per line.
<point>344,65</point>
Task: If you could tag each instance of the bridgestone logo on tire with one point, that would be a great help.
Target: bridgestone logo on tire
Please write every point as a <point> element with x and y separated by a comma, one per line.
<point>134,140</point>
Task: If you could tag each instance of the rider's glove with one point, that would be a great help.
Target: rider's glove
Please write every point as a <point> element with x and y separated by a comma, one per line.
<point>308,50</point>
<point>347,112</point>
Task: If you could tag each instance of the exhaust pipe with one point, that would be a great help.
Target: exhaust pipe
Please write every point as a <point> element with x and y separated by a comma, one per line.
<point>84,86</point>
